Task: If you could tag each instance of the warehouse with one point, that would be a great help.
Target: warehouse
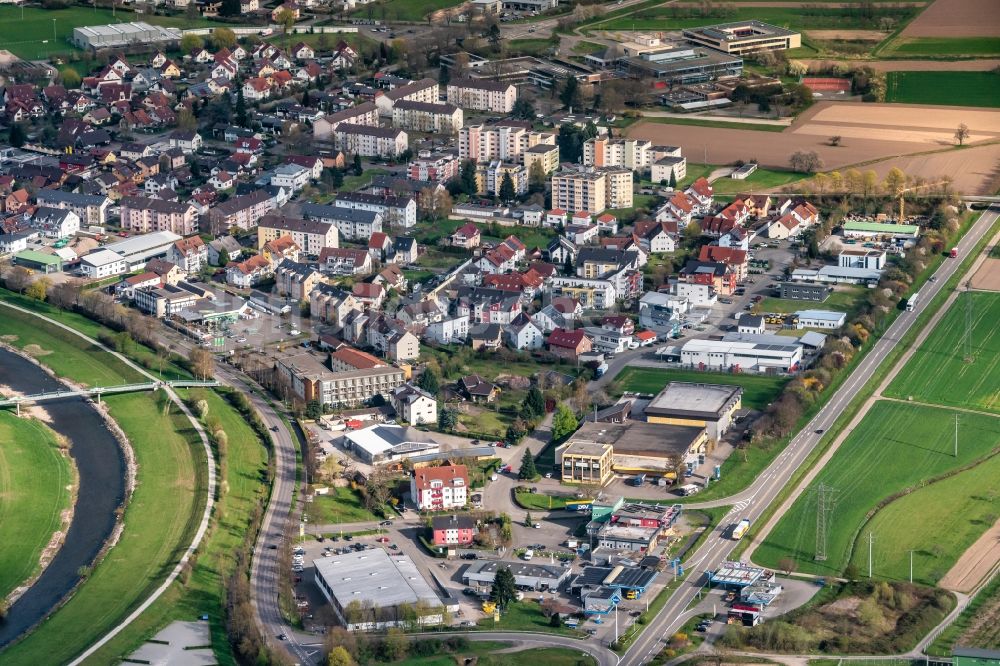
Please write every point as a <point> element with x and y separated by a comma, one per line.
<point>640,448</point>
<point>709,406</point>
<point>384,443</point>
<point>740,356</point>
<point>526,576</point>
<point>139,249</point>
<point>880,229</point>
<point>368,589</point>
<point>38,261</point>
<point>837,275</point>
<point>124,34</point>
<point>820,319</point>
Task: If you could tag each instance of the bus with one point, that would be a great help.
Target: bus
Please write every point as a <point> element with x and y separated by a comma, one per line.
<point>911,302</point>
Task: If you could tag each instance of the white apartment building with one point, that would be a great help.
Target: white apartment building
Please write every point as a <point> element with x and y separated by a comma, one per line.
<point>482,95</point>
<point>414,405</point>
<point>424,90</point>
<point>508,143</point>
<point>362,114</point>
<point>292,176</point>
<point>395,210</point>
<point>591,190</point>
<point>427,117</point>
<point>90,208</point>
<point>370,141</point>
<point>633,154</point>
<point>439,488</point>
<point>351,223</point>
<point>448,330</point>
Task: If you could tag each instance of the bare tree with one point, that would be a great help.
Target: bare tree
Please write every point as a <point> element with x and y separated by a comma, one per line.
<point>203,363</point>
<point>805,161</point>
<point>962,134</point>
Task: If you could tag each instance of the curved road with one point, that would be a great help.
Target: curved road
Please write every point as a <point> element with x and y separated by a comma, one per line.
<point>753,501</point>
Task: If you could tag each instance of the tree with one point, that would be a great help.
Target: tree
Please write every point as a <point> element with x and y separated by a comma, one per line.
<point>570,140</point>
<point>378,490</point>
<point>358,169</point>
<point>202,363</point>
<point>555,620</point>
<point>447,418</point>
<point>305,98</point>
<point>570,95</point>
<point>564,423</point>
<point>286,19</point>
<point>314,410</point>
<point>523,109</point>
<point>895,182</point>
<point>223,257</point>
<point>528,520</point>
<point>506,192</point>
<point>504,590</point>
<point>494,37</point>
<point>186,120</point>
<point>534,403</point>
<point>467,178</point>
<point>38,289</point>
<point>805,161</point>
<point>528,469</point>
<point>241,107</point>
<point>835,140</point>
<point>429,381</point>
<point>673,179</point>
<point>17,135</point>
<point>230,8</point>
<point>962,133</point>
<point>396,644</point>
<point>223,38</point>
<point>536,177</point>
<point>191,43</point>
<point>787,564</point>
<point>339,656</point>
<point>70,78</point>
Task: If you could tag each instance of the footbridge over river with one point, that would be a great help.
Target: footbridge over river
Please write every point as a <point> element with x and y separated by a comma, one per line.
<point>88,392</point>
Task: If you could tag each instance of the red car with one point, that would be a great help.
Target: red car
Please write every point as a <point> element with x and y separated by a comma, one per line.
<point>383,539</point>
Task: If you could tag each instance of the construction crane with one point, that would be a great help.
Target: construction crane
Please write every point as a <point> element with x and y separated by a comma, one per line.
<point>903,192</point>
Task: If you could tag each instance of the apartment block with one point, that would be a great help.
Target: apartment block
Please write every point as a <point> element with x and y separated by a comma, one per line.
<point>310,235</point>
<point>362,114</point>
<point>370,141</point>
<point>427,117</point>
<point>484,143</point>
<point>436,168</point>
<point>242,212</point>
<point>482,95</point>
<point>140,215</point>
<point>633,154</point>
<point>489,177</point>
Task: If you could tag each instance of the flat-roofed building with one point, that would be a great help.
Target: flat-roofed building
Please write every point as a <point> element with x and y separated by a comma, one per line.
<point>744,37</point>
<point>38,261</point>
<point>682,65</point>
<point>633,154</point>
<point>379,444</point>
<point>581,461</point>
<point>709,406</point>
<point>527,576</point>
<point>103,263</point>
<point>140,249</point>
<point>482,95</point>
<point>124,34</point>
<point>545,155</point>
<point>738,355</point>
<point>370,590</point>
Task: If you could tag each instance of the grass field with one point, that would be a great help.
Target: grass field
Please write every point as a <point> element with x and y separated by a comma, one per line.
<point>895,447</point>
<point>534,47</point>
<point>841,300</point>
<point>949,88</point>
<point>540,501</point>
<point>342,505</point>
<point>938,373</point>
<point>761,179</point>
<point>482,653</point>
<point>525,616</point>
<point>32,37</point>
<point>353,183</point>
<point>35,480</point>
<point>243,476</point>
<point>721,124</point>
<point>662,18</point>
<point>758,390</point>
<point>403,10</point>
<point>159,521</point>
<point>943,46</point>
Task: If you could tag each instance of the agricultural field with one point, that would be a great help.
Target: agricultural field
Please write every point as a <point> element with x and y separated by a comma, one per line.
<point>795,17</point>
<point>956,19</point>
<point>947,88</point>
<point>977,626</point>
<point>758,390</point>
<point>703,121</point>
<point>896,447</point>
<point>242,474</point>
<point>942,47</point>
<point>32,37</point>
<point>35,482</point>
<point>939,374</point>
<point>159,521</point>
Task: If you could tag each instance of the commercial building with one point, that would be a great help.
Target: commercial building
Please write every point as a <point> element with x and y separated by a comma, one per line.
<point>165,301</point>
<point>370,590</point>
<point>709,406</point>
<point>440,488</point>
<point>658,450</point>
<point>140,215</point>
<point>805,291</point>
<point>880,230</point>
<point>744,37</point>
<point>837,275</point>
<point>95,37</point>
<point>103,263</point>
<point>370,141</point>
<point>874,260</point>
<point>310,235</point>
<point>581,461</point>
<point>427,117</point>
<point>90,208</point>
<point>139,249</point>
<point>536,577</point>
<point>682,65</point>
<point>820,319</point>
<point>741,356</point>
<point>38,261</point>
<point>379,444</point>
<point>482,95</point>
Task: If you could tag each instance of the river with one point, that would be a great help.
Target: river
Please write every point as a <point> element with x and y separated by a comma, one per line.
<point>100,468</point>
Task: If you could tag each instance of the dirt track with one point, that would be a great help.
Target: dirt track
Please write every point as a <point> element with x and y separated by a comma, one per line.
<point>987,278</point>
<point>849,35</point>
<point>974,563</point>
<point>956,18</point>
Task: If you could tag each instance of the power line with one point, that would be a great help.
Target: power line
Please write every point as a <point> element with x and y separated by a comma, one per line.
<point>967,337</point>
<point>826,498</point>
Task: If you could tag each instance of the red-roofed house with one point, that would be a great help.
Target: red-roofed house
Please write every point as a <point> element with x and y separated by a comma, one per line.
<point>439,488</point>
<point>345,261</point>
<point>555,218</point>
<point>369,293</point>
<point>467,236</point>
<point>568,344</point>
<point>735,259</point>
<point>701,191</point>
<point>784,227</point>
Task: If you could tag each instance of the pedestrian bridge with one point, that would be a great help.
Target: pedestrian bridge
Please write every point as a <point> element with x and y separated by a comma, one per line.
<point>99,391</point>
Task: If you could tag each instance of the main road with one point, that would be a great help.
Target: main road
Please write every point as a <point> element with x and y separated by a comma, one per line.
<point>753,501</point>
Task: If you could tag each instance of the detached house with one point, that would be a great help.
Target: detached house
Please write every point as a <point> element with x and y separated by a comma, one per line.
<point>522,333</point>
<point>249,273</point>
<point>569,344</point>
<point>414,405</point>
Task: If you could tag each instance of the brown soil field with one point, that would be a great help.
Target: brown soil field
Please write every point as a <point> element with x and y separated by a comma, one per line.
<point>849,35</point>
<point>880,134</point>
<point>985,65</point>
<point>974,563</point>
<point>791,5</point>
<point>956,18</point>
<point>987,278</point>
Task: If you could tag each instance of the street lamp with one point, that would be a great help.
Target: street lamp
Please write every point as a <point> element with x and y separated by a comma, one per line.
<point>53,30</point>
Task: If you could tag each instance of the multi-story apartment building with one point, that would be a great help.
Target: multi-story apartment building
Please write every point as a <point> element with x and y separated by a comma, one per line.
<point>242,212</point>
<point>424,90</point>
<point>489,177</point>
<point>440,488</point>
<point>427,117</point>
<point>506,142</point>
<point>370,141</point>
<point>351,223</point>
<point>395,210</point>
<point>437,168</point>
<point>546,155</point>
<point>190,254</point>
<point>482,95</point>
<point>635,154</point>
<point>592,190</point>
<point>90,208</point>
<point>310,235</point>
<point>619,187</point>
<point>362,114</point>
<point>141,216</point>
<point>311,379</point>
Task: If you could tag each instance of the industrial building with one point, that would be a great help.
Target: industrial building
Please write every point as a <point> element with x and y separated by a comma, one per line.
<point>682,65</point>
<point>744,37</point>
<point>139,249</point>
<point>526,576</point>
<point>820,319</point>
<point>369,589</point>
<point>880,229</point>
<point>38,261</point>
<point>708,406</point>
<point>95,37</point>
<point>739,356</point>
<point>805,291</point>
<point>837,275</point>
<point>631,581</point>
<point>384,443</point>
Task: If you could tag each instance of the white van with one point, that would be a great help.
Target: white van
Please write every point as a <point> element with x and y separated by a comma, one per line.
<point>689,489</point>
<point>528,554</point>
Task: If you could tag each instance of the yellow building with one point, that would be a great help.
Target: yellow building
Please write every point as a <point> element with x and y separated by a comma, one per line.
<point>545,154</point>
<point>584,462</point>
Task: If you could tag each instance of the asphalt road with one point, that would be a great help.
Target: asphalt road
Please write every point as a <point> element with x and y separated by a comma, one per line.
<point>753,501</point>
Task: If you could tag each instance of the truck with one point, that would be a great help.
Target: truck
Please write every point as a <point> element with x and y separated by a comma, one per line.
<point>638,480</point>
<point>911,302</point>
<point>601,369</point>
<point>688,489</point>
<point>954,253</point>
<point>741,529</point>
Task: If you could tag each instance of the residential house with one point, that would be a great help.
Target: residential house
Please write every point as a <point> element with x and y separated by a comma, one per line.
<point>223,249</point>
<point>189,254</point>
<point>296,280</point>
<point>568,344</point>
<point>249,273</point>
<point>477,389</point>
<point>55,222</point>
<point>414,405</point>
<point>345,261</point>
<point>439,488</point>
<point>453,530</point>
<point>524,334</point>
<point>467,236</point>
<point>487,337</point>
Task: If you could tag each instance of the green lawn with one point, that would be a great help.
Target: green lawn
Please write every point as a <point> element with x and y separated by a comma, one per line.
<point>243,477</point>
<point>525,616</point>
<point>32,37</point>
<point>482,651</point>
<point>761,179</point>
<point>532,47</point>
<point>841,300</point>
<point>342,505</point>
<point>541,502</point>
<point>895,447</point>
<point>944,46</point>
<point>938,371</point>
<point>403,10</point>
<point>35,480</point>
<point>353,183</point>
<point>949,88</point>
<point>585,48</point>
<point>758,390</point>
<point>721,124</point>
<point>159,521</point>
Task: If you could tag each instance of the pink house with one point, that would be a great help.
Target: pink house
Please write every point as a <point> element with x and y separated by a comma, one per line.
<point>453,530</point>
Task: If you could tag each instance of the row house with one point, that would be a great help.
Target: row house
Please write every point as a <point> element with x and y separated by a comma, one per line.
<point>143,215</point>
